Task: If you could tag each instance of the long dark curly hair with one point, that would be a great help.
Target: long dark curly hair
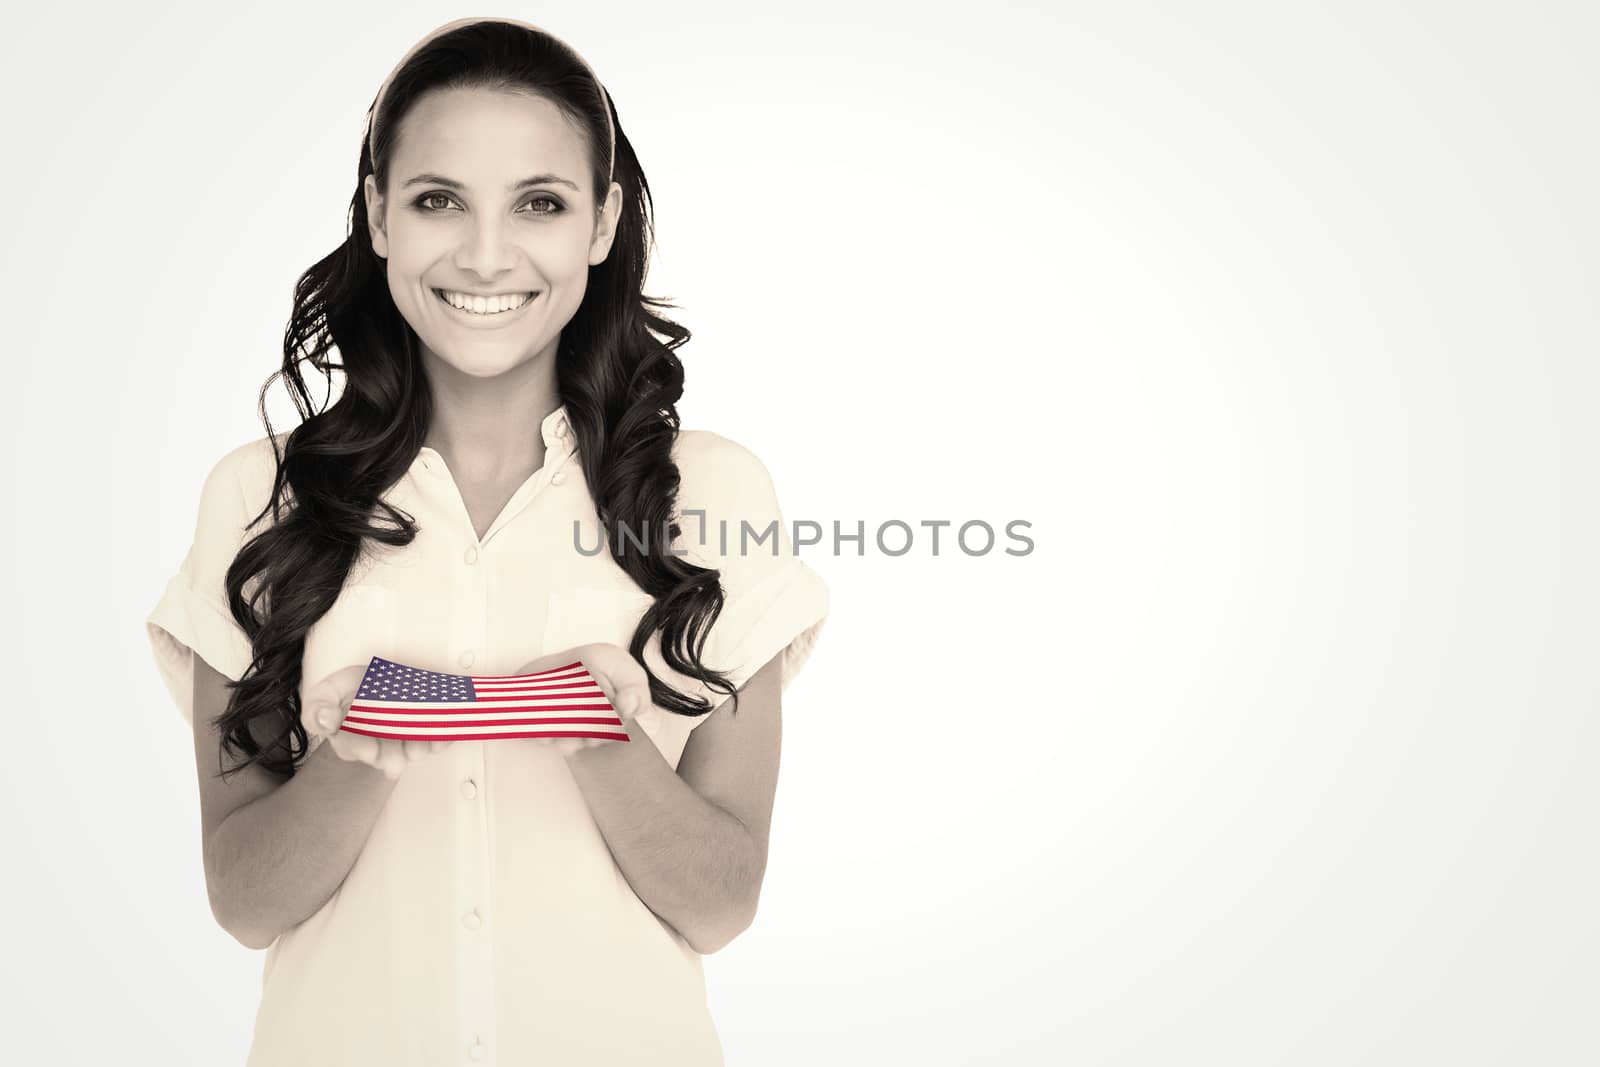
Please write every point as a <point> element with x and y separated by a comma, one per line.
<point>617,373</point>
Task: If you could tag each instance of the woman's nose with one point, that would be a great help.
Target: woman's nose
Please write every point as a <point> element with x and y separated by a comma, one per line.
<point>487,251</point>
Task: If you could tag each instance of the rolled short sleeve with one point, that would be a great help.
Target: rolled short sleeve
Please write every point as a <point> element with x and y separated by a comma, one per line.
<point>774,603</point>
<point>192,615</point>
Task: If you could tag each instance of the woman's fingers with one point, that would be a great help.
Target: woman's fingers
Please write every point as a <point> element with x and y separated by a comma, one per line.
<point>327,702</point>
<point>326,705</point>
<point>419,749</point>
<point>365,748</point>
<point>319,711</point>
<point>630,698</point>
<point>392,757</point>
<point>389,755</point>
<point>312,715</point>
<point>342,744</point>
<point>330,715</point>
<point>620,676</point>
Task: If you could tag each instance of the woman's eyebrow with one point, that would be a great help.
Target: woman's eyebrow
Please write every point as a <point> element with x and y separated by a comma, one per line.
<point>451,183</point>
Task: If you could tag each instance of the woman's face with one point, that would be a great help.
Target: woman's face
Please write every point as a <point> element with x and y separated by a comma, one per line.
<point>489,227</point>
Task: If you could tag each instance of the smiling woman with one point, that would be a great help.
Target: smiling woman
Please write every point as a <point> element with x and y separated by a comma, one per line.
<point>506,381</point>
<point>466,249</point>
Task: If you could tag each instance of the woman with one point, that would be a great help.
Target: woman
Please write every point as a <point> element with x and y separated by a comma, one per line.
<point>506,400</point>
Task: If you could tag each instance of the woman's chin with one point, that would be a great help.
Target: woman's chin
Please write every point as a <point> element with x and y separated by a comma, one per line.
<point>476,361</point>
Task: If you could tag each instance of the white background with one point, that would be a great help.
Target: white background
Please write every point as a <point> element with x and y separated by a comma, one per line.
<point>1276,321</point>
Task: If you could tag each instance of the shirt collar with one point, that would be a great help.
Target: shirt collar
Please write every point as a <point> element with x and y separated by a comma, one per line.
<point>560,441</point>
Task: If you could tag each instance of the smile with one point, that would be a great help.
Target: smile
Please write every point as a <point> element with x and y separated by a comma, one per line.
<point>485,308</point>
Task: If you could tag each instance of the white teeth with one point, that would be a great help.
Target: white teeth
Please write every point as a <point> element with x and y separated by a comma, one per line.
<point>484,305</point>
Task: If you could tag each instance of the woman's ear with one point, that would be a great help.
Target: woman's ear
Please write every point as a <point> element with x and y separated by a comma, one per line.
<point>606,230</point>
<point>375,221</point>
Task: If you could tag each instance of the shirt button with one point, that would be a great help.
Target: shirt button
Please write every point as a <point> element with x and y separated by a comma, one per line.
<point>466,658</point>
<point>558,477</point>
<point>472,920</point>
<point>469,789</point>
<point>472,555</point>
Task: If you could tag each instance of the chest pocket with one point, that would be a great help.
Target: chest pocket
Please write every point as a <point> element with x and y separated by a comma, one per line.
<point>360,625</point>
<point>584,614</point>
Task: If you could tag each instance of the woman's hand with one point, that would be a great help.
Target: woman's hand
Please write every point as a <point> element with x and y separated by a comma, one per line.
<point>621,678</point>
<point>323,708</point>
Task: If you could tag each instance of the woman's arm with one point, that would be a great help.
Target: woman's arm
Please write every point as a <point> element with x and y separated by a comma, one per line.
<point>692,844</point>
<point>275,850</point>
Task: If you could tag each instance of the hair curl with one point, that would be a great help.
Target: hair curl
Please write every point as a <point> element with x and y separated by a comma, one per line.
<point>619,381</point>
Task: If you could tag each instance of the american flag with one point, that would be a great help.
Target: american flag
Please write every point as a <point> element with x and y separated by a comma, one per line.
<point>398,701</point>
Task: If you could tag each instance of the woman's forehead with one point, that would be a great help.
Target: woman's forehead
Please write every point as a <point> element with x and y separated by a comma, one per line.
<point>492,131</point>
<point>457,107</point>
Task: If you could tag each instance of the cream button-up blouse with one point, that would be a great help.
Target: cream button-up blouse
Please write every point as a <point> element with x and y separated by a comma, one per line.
<point>485,920</point>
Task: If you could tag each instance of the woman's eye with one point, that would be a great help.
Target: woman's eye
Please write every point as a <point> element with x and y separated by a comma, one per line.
<point>554,208</point>
<point>551,206</point>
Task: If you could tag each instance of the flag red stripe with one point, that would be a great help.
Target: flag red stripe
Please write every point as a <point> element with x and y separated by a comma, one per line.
<point>493,737</point>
